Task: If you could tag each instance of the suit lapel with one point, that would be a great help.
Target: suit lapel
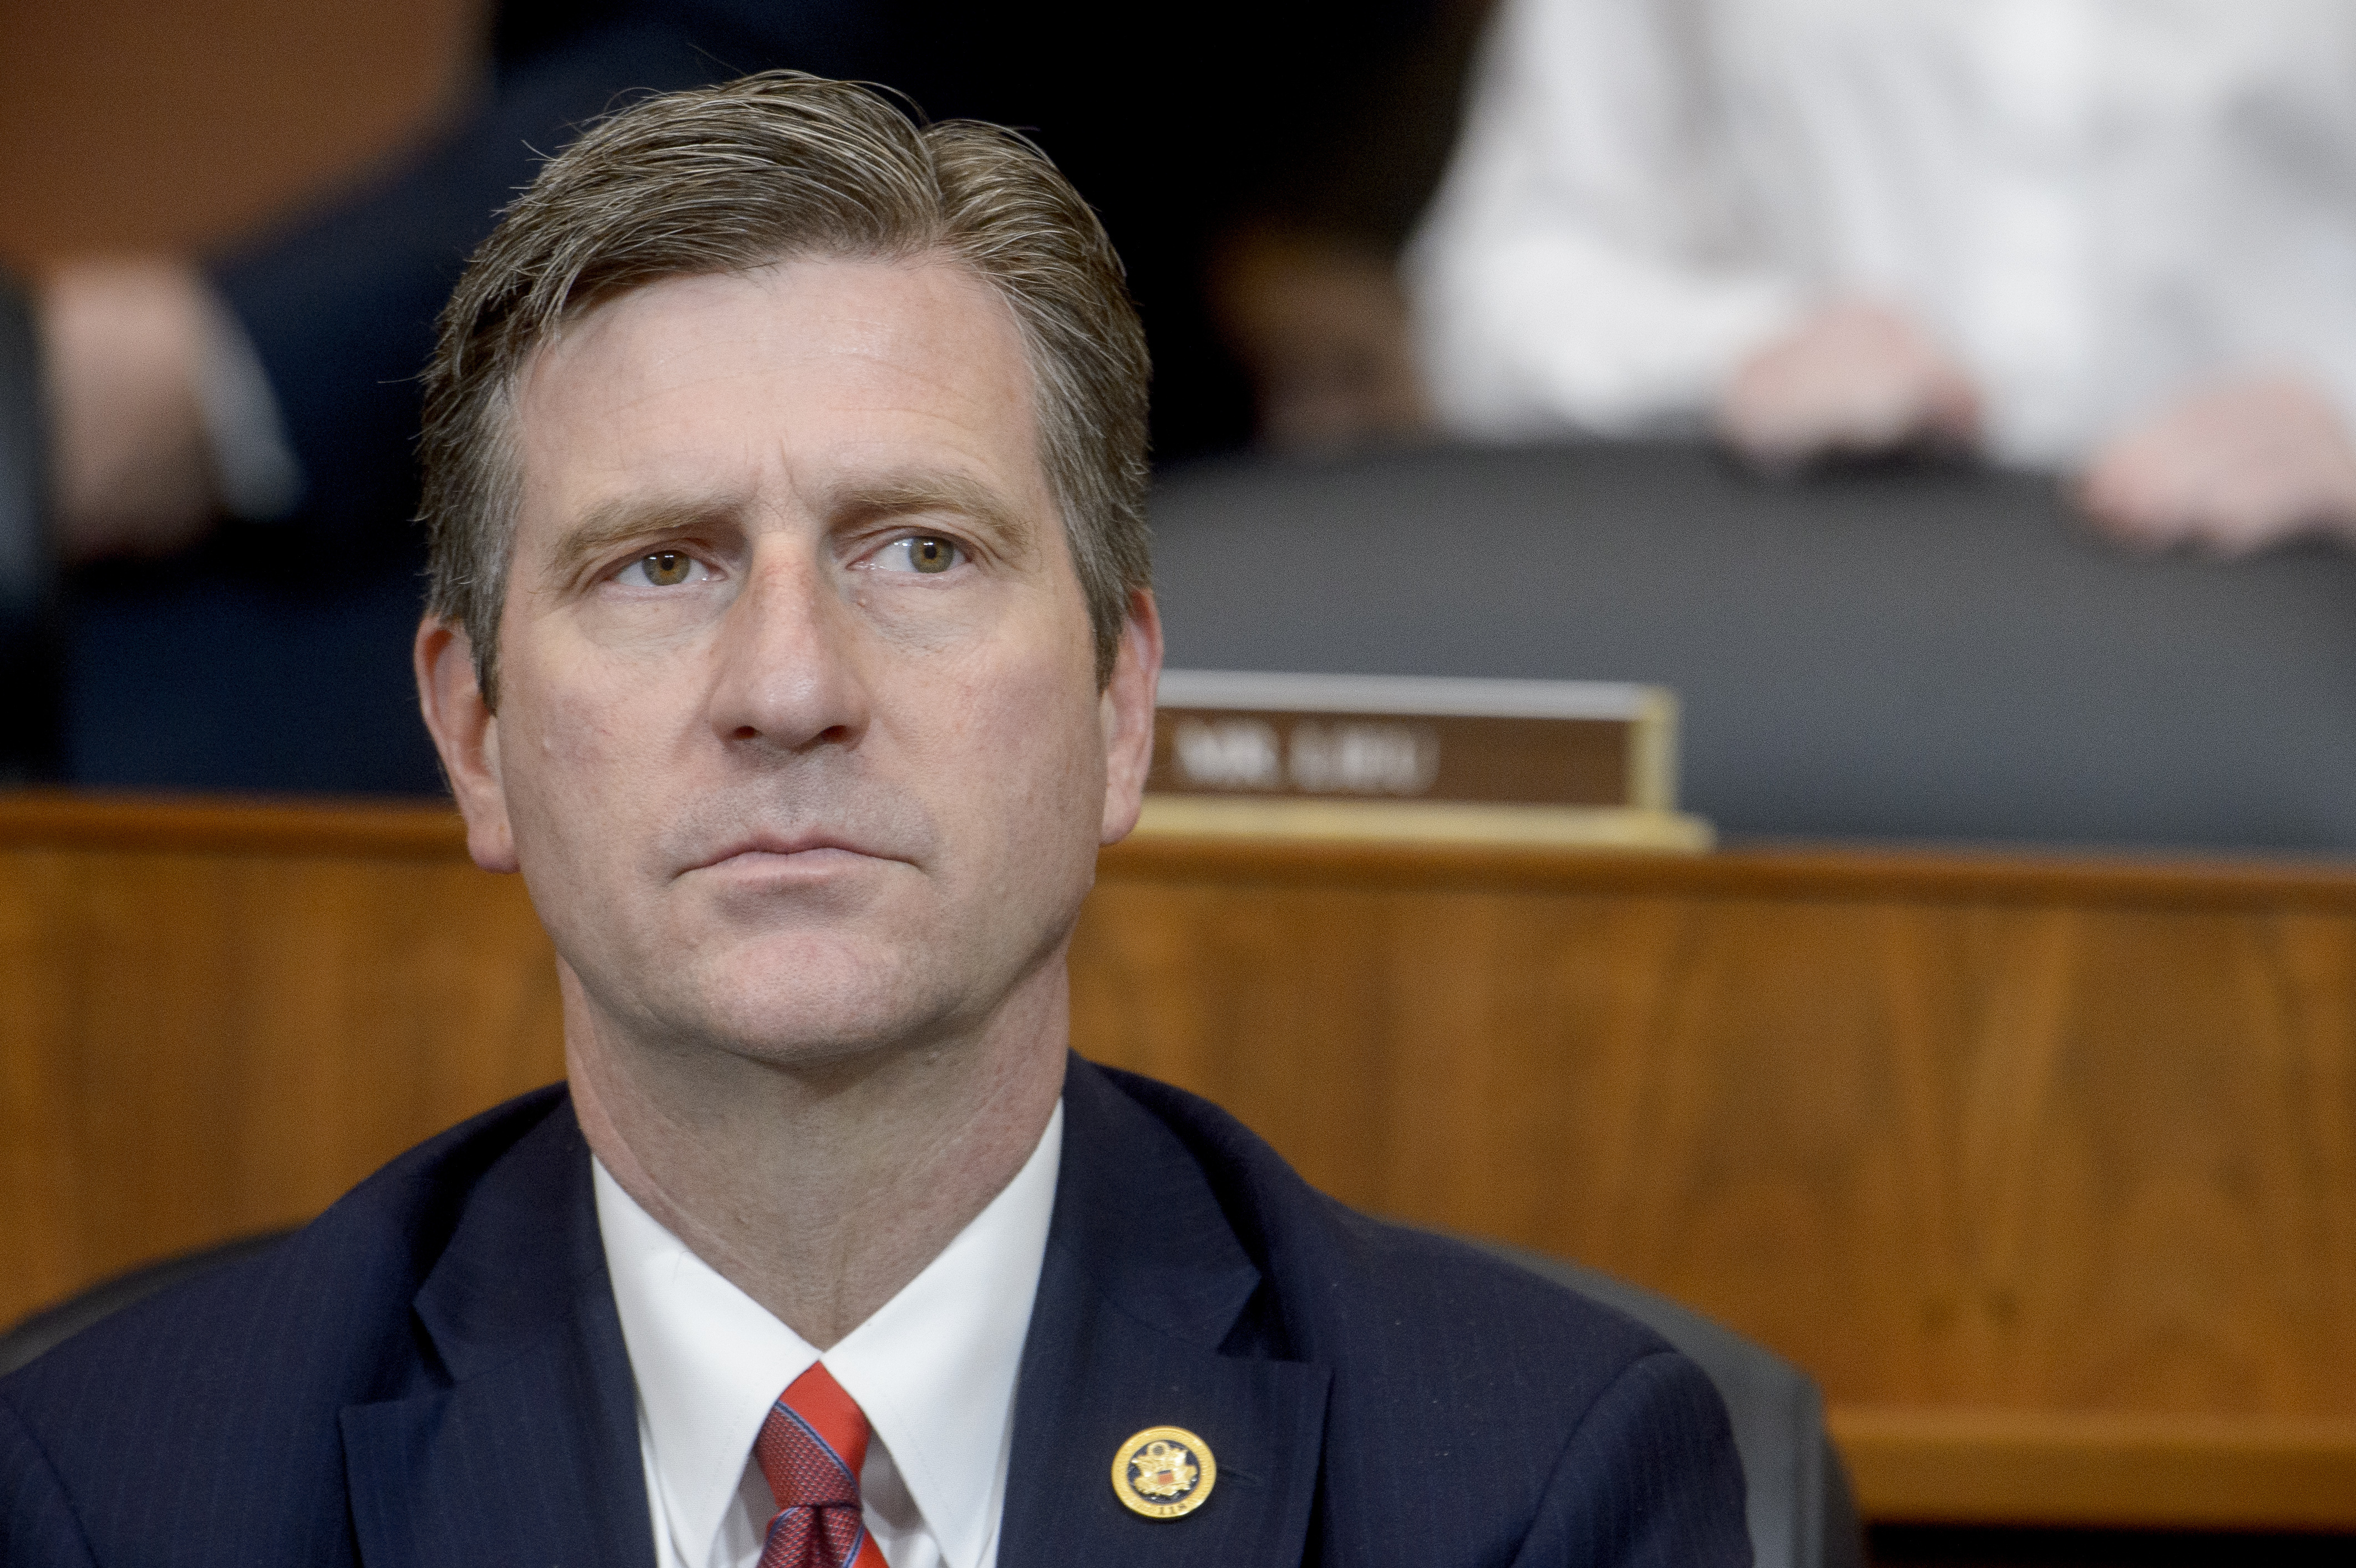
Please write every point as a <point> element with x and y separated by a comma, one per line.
<point>530,1454</point>
<point>1144,1284</point>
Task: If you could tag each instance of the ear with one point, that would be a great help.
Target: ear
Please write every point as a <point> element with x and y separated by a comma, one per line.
<point>467,733</point>
<point>1125,710</point>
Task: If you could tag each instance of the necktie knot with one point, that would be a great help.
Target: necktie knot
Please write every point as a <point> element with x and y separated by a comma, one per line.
<point>810,1450</point>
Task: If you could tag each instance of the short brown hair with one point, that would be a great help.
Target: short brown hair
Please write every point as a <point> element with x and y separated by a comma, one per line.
<point>758,170</point>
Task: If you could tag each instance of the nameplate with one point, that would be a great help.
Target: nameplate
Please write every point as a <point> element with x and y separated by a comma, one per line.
<point>1417,757</point>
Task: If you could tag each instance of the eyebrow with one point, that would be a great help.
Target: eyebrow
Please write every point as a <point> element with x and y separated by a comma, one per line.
<point>1004,529</point>
<point>629,519</point>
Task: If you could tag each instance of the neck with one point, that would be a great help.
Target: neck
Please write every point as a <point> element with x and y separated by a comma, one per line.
<point>819,1190</point>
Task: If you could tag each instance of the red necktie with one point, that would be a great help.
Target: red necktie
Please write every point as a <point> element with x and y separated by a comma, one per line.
<point>810,1450</point>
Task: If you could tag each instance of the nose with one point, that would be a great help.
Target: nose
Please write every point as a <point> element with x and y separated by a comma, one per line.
<point>787,671</point>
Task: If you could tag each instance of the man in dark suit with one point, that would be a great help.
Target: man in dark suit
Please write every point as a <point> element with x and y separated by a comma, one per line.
<point>792,636</point>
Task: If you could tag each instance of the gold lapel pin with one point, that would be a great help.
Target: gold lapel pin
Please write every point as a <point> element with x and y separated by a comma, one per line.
<point>1163,1472</point>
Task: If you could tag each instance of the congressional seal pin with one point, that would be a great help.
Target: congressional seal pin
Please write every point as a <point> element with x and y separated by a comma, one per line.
<point>1163,1471</point>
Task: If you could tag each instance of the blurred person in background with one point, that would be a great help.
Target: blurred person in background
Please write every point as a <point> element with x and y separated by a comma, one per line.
<point>230,439</point>
<point>2109,239</point>
<point>1303,282</point>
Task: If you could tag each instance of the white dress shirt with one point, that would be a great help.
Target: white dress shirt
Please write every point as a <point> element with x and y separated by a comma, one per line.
<point>2095,205</point>
<point>934,1368</point>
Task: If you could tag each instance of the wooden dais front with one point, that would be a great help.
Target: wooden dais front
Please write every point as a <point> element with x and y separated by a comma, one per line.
<point>2046,1168</point>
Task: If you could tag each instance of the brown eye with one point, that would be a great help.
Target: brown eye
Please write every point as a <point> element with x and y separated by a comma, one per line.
<point>667,568</point>
<point>928,554</point>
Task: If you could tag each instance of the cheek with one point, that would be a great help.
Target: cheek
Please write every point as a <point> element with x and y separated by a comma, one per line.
<point>912,627</point>
<point>1035,730</point>
<point>572,759</point>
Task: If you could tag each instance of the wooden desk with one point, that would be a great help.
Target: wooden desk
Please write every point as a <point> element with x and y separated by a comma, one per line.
<point>2046,1168</point>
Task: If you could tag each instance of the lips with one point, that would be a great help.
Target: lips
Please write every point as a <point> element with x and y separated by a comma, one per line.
<point>806,816</point>
<point>788,844</point>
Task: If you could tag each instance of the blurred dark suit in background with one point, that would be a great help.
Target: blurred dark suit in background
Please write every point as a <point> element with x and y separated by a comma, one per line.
<point>1178,122</point>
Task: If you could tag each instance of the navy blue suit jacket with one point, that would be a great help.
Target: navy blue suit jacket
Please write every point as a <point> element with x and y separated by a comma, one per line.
<point>434,1373</point>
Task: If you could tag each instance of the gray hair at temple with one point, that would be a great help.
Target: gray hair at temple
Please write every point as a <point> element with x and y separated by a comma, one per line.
<point>763,169</point>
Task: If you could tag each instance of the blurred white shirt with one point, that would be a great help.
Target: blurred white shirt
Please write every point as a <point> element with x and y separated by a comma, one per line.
<point>2095,205</point>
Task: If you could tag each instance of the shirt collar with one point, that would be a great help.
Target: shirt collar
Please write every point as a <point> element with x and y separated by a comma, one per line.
<point>934,1368</point>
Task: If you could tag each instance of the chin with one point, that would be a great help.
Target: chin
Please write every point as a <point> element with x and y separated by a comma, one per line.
<point>833,1003</point>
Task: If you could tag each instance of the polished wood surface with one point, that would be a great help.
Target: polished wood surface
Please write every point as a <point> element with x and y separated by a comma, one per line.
<point>1985,1136</point>
<point>2045,1168</point>
<point>2151,1472</point>
<point>215,1020</point>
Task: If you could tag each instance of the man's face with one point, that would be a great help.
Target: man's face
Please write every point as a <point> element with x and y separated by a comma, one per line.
<point>799,745</point>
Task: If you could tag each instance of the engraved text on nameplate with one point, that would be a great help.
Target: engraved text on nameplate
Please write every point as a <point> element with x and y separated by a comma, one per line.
<point>1538,762</point>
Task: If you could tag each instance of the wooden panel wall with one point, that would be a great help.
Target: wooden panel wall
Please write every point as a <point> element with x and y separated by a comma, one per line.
<point>2046,1171</point>
<point>215,1021</point>
<point>2041,1170</point>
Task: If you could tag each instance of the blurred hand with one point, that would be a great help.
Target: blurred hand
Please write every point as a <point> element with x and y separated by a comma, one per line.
<point>122,344</point>
<point>2232,469</point>
<point>1855,378</point>
<point>1322,326</point>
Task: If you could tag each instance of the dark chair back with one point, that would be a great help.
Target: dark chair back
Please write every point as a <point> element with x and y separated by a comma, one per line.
<point>1801,1512</point>
<point>28,663</point>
